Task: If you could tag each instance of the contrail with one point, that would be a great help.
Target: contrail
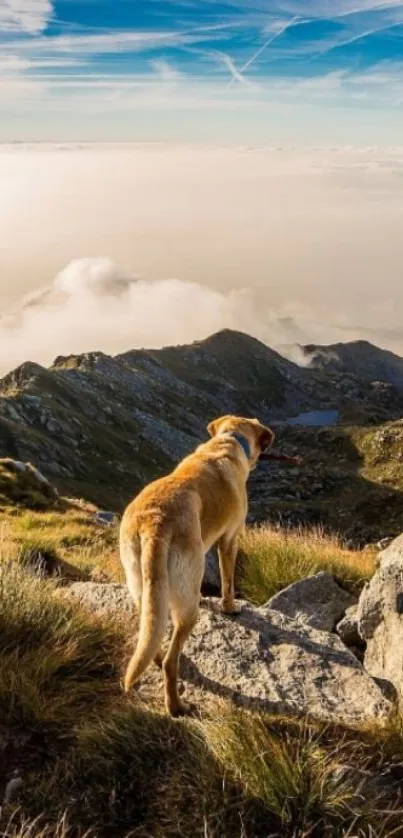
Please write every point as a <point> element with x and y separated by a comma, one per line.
<point>230,64</point>
<point>353,40</point>
<point>264,46</point>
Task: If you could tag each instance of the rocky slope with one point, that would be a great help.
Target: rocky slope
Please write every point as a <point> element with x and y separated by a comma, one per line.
<point>101,427</point>
<point>359,358</point>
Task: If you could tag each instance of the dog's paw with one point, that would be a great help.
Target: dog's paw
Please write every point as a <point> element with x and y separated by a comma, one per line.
<point>181,708</point>
<point>231,608</point>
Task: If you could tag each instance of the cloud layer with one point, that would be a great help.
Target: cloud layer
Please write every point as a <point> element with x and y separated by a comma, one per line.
<point>93,304</point>
<point>286,244</point>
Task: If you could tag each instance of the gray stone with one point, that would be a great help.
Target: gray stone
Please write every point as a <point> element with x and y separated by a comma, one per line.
<point>317,601</point>
<point>262,659</point>
<point>107,599</point>
<point>105,518</point>
<point>265,659</point>
<point>380,618</point>
<point>347,628</point>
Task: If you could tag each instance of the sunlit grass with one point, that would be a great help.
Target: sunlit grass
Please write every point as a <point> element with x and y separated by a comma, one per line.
<point>273,559</point>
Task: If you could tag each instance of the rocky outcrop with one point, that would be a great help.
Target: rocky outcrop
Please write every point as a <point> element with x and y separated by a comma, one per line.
<point>380,619</point>
<point>266,660</point>
<point>262,659</point>
<point>347,628</point>
<point>23,484</point>
<point>109,599</point>
<point>316,601</point>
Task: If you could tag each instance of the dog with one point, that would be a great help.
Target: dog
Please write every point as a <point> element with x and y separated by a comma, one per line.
<point>166,531</point>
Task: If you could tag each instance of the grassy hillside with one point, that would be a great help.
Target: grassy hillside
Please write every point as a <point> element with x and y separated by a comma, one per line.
<point>95,762</point>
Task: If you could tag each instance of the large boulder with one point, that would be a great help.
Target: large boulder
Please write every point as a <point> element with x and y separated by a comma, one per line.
<point>109,599</point>
<point>317,601</point>
<point>267,660</point>
<point>347,628</point>
<point>380,618</point>
<point>262,659</point>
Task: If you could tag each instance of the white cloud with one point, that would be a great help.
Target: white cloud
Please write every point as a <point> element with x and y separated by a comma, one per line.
<point>92,304</point>
<point>165,70</point>
<point>113,42</point>
<point>283,243</point>
<point>29,16</point>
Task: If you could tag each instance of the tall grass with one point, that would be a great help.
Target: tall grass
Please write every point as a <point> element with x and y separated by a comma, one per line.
<point>272,559</point>
<point>69,535</point>
<point>233,774</point>
<point>109,766</point>
<point>55,660</point>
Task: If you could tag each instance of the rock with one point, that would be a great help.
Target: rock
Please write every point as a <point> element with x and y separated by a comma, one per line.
<point>105,519</point>
<point>263,659</point>
<point>110,600</point>
<point>380,618</point>
<point>347,628</point>
<point>12,787</point>
<point>381,786</point>
<point>317,601</point>
<point>383,543</point>
<point>23,483</point>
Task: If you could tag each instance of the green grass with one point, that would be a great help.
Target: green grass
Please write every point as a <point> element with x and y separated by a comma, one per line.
<point>272,559</point>
<point>67,533</point>
<point>291,771</point>
<point>97,763</point>
<point>55,660</point>
<point>137,772</point>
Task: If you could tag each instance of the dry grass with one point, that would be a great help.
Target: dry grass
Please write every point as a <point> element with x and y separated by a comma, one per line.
<point>273,559</point>
<point>68,533</point>
<point>55,660</point>
<point>98,764</point>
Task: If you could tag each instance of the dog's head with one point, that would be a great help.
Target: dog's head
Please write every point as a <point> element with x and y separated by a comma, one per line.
<point>258,436</point>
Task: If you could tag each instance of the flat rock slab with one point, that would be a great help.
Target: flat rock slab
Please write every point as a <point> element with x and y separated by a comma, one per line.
<point>260,659</point>
<point>107,599</point>
<point>266,660</point>
<point>317,600</point>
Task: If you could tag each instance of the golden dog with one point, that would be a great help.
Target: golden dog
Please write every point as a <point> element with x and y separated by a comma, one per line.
<point>168,528</point>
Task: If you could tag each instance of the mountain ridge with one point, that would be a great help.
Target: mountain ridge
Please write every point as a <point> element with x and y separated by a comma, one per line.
<point>100,427</point>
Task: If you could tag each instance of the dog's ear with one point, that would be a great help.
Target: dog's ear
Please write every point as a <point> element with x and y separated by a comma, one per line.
<point>214,426</point>
<point>266,438</point>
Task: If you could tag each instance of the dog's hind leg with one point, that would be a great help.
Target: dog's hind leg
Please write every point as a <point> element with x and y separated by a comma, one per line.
<point>183,625</point>
<point>186,574</point>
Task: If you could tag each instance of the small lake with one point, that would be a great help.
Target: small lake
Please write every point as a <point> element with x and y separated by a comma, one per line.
<point>315,418</point>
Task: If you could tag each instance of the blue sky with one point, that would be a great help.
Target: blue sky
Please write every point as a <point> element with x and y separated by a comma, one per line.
<point>255,71</point>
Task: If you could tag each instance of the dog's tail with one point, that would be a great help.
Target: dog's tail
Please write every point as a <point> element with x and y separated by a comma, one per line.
<point>154,607</point>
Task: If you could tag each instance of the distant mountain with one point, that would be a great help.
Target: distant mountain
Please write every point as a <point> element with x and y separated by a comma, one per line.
<point>359,358</point>
<point>101,427</point>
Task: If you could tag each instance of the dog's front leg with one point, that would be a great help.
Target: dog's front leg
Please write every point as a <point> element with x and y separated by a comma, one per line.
<point>227,553</point>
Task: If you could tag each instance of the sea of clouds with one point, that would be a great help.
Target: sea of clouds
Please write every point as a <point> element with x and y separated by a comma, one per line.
<point>288,245</point>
